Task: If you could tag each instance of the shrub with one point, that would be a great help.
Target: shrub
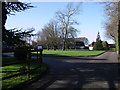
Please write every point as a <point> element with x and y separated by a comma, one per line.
<point>98,46</point>
<point>21,52</point>
<point>105,45</point>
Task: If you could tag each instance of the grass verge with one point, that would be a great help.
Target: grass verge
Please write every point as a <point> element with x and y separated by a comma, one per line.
<point>16,82</point>
<point>71,53</point>
<point>14,69</point>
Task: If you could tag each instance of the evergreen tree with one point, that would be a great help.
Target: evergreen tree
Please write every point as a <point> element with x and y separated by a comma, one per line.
<point>98,43</point>
<point>10,8</point>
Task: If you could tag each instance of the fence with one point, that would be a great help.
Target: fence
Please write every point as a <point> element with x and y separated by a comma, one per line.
<point>28,71</point>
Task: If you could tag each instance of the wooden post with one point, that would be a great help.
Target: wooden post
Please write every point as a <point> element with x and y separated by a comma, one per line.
<point>28,64</point>
<point>41,56</point>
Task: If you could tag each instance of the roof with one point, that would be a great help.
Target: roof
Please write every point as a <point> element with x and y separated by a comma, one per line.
<point>80,39</point>
<point>92,44</point>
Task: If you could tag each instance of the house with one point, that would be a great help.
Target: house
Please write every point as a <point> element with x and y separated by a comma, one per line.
<point>111,45</point>
<point>83,39</point>
<point>71,43</point>
<point>79,43</point>
<point>91,46</point>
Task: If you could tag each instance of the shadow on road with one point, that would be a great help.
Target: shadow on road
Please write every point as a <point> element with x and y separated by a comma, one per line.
<point>78,58</point>
<point>80,72</point>
<point>82,75</point>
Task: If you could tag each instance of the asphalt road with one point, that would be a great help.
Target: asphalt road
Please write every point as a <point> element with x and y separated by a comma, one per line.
<point>80,72</point>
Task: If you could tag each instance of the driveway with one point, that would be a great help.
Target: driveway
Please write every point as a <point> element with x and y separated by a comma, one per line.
<point>80,72</point>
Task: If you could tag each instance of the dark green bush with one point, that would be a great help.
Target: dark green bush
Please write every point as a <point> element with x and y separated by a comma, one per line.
<point>21,52</point>
<point>98,46</point>
<point>105,45</point>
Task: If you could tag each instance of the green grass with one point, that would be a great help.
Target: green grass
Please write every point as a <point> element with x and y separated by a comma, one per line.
<point>112,48</point>
<point>71,52</point>
<point>10,83</point>
<point>13,69</point>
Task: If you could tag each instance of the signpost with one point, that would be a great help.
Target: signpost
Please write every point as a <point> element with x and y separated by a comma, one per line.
<point>39,47</point>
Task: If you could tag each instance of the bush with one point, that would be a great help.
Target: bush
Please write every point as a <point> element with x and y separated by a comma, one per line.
<point>105,45</point>
<point>98,46</point>
<point>21,52</point>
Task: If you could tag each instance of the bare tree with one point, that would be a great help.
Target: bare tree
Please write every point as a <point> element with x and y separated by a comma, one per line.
<point>65,19</point>
<point>111,10</point>
<point>112,31</point>
<point>41,38</point>
<point>50,34</point>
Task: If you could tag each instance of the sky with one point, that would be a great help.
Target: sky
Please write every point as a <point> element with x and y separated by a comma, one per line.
<point>91,18</point>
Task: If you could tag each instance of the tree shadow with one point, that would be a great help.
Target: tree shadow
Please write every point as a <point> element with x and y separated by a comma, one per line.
<point>75,58</point>
<point>78,75</point>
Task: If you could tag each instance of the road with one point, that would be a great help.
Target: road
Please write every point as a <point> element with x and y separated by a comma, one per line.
<point>80,72</point>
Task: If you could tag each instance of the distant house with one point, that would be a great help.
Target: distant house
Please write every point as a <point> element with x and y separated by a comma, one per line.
<point>106,47</point>
<point>71,43</point>
<point>111,45</point>
<point>91,46</point>
<point>83,39</point>
<point>79,43</point>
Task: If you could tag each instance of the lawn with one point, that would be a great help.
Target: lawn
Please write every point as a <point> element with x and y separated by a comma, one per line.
<point>14,69</point>
<point>71,52</point>
<point>12,82</point>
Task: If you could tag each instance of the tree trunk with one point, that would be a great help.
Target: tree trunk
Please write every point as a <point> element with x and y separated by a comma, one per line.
<point>64,44</point>
<point>119,38</point>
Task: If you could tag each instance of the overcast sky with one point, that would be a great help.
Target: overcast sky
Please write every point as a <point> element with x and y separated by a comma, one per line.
<point>91,18</point>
